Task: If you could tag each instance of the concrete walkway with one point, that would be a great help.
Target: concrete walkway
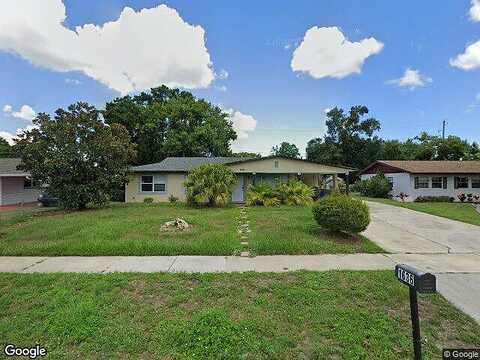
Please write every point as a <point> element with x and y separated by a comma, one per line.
<point>436,263</point>
<point>400,230</point>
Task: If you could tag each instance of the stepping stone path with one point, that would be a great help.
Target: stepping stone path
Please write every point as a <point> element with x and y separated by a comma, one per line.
<point>243,228</point>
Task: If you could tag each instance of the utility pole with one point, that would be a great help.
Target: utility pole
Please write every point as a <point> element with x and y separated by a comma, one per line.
<point>443,129</point>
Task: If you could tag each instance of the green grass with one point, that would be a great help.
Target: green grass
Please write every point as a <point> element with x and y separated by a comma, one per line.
<point>300,315</point>
<point>135,229</point>
<point>292,230</point>
<point>455,211</point>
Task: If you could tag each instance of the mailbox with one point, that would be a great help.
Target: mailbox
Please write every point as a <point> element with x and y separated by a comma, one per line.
<point>417,281</point>
<point>420,281</point>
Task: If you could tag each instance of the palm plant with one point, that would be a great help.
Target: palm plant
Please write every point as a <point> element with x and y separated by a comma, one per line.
<point>262,194</point>
<point>295,192</point>
<point>210,184</point>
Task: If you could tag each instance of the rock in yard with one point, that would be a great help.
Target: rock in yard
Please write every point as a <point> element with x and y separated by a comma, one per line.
<point>177,224</point>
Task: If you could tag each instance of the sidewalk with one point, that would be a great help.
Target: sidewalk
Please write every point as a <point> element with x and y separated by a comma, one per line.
<point>436,263</point>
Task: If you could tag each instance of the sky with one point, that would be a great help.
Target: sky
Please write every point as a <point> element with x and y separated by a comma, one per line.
<point>274,67</point>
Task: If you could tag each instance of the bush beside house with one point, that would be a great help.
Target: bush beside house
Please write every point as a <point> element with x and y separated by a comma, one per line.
<point>291,193</point>
<point>340,212</point>
<point>376,187</point>
<point>210,184</point>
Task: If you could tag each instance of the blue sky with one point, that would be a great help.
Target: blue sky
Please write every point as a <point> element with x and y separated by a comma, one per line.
<point>254,42</point>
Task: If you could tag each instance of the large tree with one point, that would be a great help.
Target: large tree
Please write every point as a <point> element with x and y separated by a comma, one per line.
<point>5,148</point>
<point>169,122</point>
<point>349,139</point>
<point>81,159</point>
<point>287,150</point>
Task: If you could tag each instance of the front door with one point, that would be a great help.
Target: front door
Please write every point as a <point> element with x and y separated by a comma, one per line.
<point>238,192</point>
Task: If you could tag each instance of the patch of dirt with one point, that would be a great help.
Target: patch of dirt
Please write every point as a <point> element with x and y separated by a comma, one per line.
<point>137,291</point>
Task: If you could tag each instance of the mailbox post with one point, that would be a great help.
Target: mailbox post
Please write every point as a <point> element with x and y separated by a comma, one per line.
<point>421,282</point>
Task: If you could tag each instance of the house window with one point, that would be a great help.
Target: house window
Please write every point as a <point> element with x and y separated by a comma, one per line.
<point>461,182</point>
<point>276,164</point>
<point>153,184</point>
<point>147,183</point>
<point>422,182</point>
<point>390,180</point>
<point>29,183</point>
<point>476,182</point>
<point>437,182</point>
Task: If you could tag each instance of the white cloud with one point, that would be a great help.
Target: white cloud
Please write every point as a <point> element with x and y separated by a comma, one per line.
<point>242,123</point>
<point>221,88</point>
<point>327,110</point>
<point>470,59</point>
<point>25,112</point>
<point>73,81</point>
<point>222,75</point>
<point>137,51</point>
<point>411,79</point>
<point>475,11</point>
<point>325,52</point>
<point>12,137</point>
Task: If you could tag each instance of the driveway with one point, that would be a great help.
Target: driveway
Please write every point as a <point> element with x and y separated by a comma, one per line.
<point>448,248</point>
<point>400,230</point>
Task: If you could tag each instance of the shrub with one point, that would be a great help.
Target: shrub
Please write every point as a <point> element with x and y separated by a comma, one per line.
<point>378,187</point>
<point>172,199</point>
<point>434,199</point>
<point>262,194</point>
<point>295,192</point>
<point>148,200</point>
<point>342,213</point>
<point>402,196</point>
<point>462,197</point>
<point>210,184</point>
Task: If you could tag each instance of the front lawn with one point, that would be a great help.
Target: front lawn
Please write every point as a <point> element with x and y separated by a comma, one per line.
<point>135,229</point>
<point>455,211</point>
<point>300,315</point>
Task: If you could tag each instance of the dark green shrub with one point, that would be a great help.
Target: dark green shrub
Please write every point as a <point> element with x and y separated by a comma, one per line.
<point>434,199</point>
<point>377,187</point>
<point>342,213</point>
<point>148,200</point>
<point>210,184</point>
<point>172,199</point>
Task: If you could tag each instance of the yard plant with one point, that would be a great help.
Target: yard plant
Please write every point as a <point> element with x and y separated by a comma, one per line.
<point>339,212</point>
<point>377,186</point>
<point>210,184</point>
<point>82,160</point>
<point>293,192</point>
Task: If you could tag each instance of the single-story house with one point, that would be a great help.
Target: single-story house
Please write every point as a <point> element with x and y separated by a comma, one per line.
<point>16,186</point>
<point>160,180</point>
<point>427,178</point>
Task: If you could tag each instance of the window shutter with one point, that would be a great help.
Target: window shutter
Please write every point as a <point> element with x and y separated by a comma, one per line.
<point>455,182</point>
<point>416,182</point>
<point>445,182</point>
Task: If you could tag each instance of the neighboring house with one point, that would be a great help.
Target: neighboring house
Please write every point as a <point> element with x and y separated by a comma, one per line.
<point>428,178</point>
<point>16,186</point>
<point>160,180</point>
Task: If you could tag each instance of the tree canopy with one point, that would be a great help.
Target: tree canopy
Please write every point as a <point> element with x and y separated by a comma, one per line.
<point>169,122</point>
<point>287,150</point>
<point>5,149</point>
<point>351,141</point>
<point>80,159</point>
